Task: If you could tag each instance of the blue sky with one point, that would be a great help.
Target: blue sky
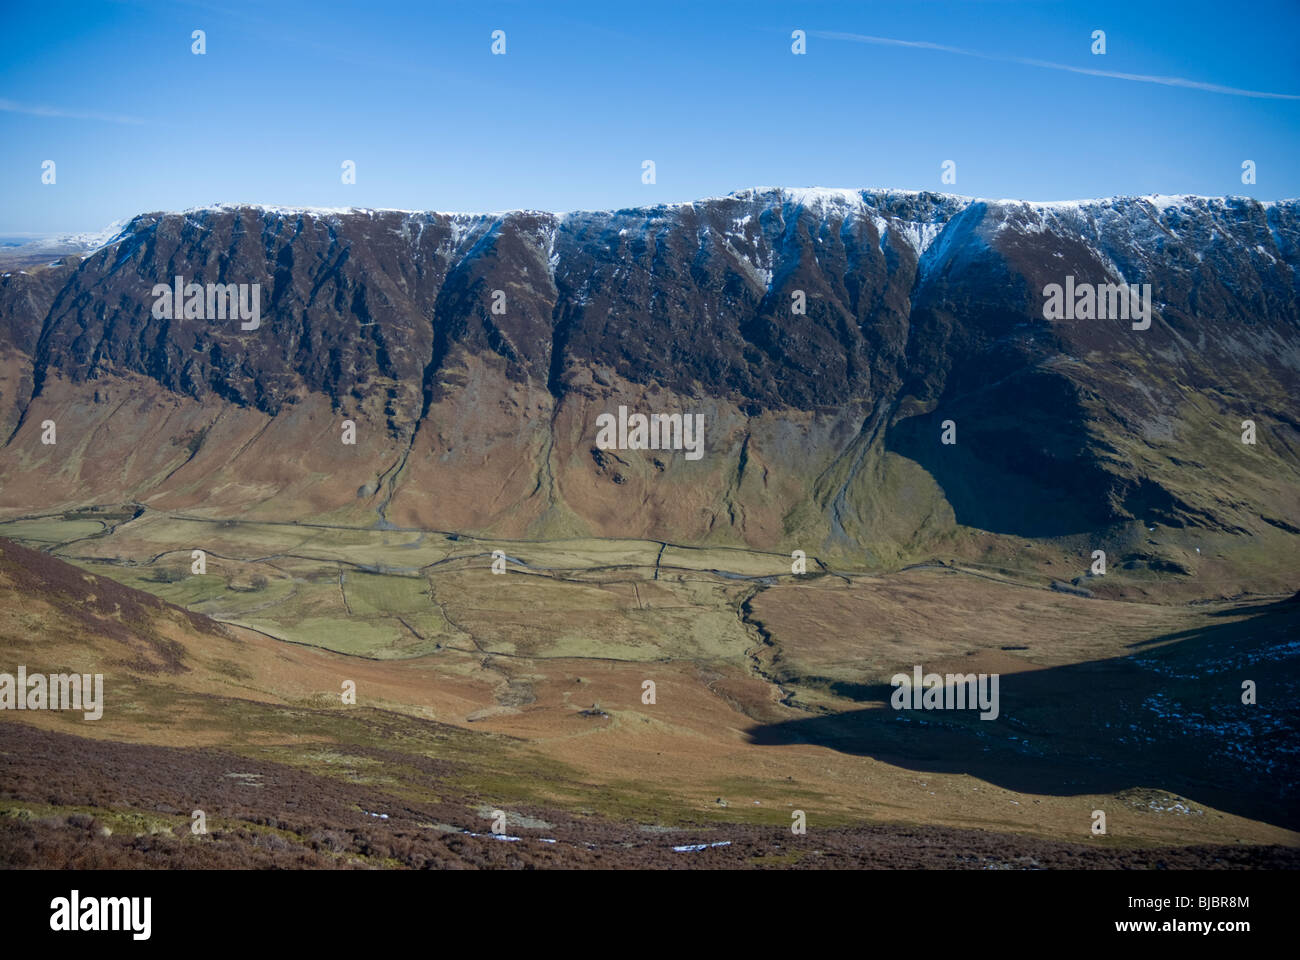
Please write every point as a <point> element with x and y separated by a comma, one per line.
<point>586,91</point>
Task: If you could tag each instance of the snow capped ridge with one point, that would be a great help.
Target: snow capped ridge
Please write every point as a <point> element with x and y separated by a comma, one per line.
<point>811,197</point>
<point>100,238</point>
<point>276,210</point>
<point>1161,203</point>
<point>916,218</point>
<point>80,243</point>
<point>280,210</point>
<point>952,202</point>
<point>913,217</point>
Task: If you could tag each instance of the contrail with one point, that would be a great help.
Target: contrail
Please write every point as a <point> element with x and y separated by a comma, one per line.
<point>1113,74</point>
<point>12,106</point>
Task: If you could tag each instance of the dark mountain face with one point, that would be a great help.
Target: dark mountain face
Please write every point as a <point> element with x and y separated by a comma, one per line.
<point>917,309</point>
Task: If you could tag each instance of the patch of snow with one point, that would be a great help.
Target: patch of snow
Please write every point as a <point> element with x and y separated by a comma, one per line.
<point>79,243</point>
<point>498,836</point>
<point>686,848</point>
<point>919,235</point>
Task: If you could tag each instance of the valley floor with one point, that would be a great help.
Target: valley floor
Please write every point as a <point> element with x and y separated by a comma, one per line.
<point>525,693</point>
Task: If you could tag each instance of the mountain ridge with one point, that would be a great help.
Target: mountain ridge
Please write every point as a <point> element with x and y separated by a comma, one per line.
<point>92,241</point>
<point>919,308</point>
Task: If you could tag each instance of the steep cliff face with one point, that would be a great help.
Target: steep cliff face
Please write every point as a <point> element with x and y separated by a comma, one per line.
<point>475,353</point>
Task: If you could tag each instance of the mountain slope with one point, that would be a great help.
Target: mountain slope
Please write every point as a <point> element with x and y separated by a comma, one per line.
<point>822,428</point>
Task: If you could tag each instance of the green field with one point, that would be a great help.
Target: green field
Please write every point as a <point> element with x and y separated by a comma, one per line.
<point>47,530</point>
<point>387,594</point>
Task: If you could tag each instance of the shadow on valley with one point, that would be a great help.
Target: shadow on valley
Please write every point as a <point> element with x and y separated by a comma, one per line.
<point>1167,718</point>
<point>1017,464</point>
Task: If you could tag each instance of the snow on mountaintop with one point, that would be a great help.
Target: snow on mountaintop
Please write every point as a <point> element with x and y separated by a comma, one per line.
<point>71,242</point>
<point>281,210</point>
<point>925,211</point>
<point>100,238</point>
<point>811,197</point>
<point>34,249</point>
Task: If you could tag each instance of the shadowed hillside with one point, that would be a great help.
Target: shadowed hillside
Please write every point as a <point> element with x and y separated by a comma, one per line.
<point>1167,717</point>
